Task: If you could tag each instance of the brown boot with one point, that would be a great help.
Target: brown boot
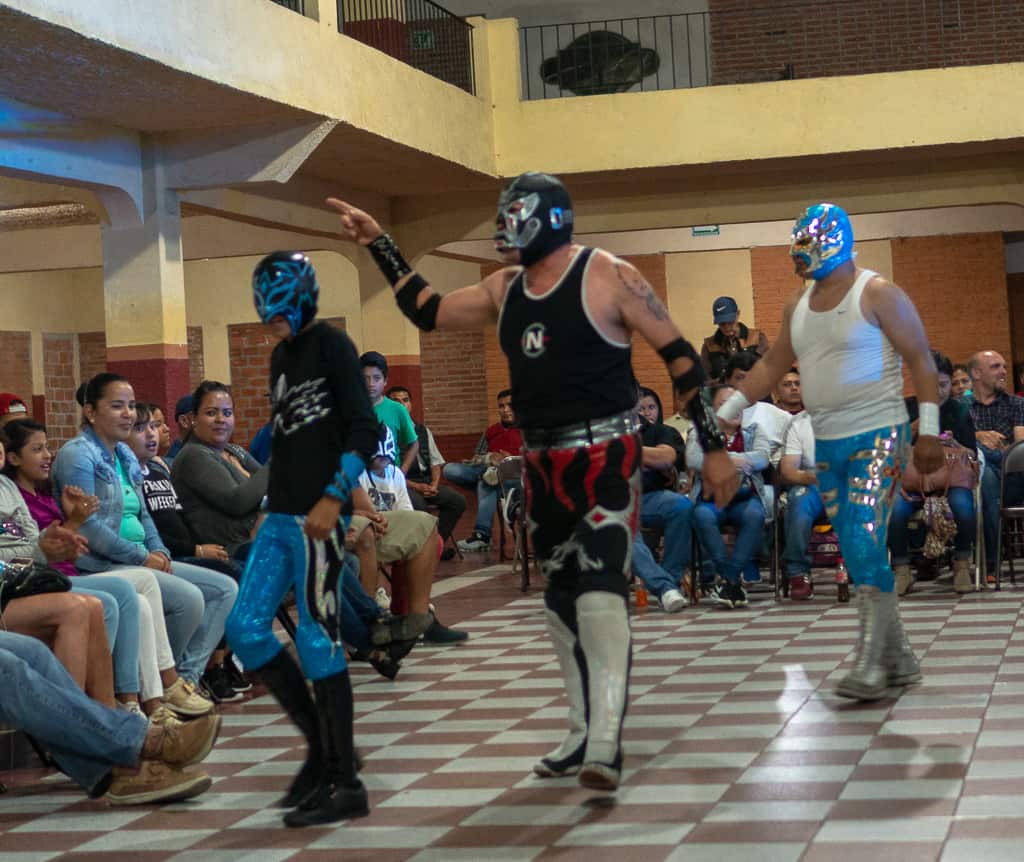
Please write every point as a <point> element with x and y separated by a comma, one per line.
<point>181,743</point>
<point>154,781</point>
<point>904,579</point>
<point>962,582</point>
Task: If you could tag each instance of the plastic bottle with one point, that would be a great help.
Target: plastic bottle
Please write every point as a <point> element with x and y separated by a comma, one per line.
<point>842,582</point>
<point>642,599</point>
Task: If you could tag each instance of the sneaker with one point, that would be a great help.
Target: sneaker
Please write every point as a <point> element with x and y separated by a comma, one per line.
<point>131,706</point>
<point>721,593</point>
<point>216,683</point>
<point>490,476</point>
<point>156,782</point>
<point>181,743</point>
<point>672,601</point>
<point>441,634</point>
<point>739,596</point>
<point>182,699</point>
<point>382,599</point>
<point>475,542</point>
<point>236,676</point>
<point>801,588</point>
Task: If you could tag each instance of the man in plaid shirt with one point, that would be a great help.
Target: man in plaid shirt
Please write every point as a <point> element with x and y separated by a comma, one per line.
<point>999,422</point>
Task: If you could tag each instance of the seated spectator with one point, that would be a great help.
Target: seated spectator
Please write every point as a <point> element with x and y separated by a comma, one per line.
<point>221,680</point>
<point>219,484</point>
<point>424,476</point>
<point>398,534</point>
<point>787,395</point>
<point>804,505</point>
<point>954,420</point>
<point>108,753</point>
<point>375,373</point>
<point>183,422</point>
<point>748,447</point>
<point>999,423</point>
<point>681,422</point>
<point>499,441</point>
<point>28,464</point>
<point>661,507</point>
<point>11,408</point>
<point>123,541</point>
<point>961,385</point>
<point>730,336</point>
<point>773,421</point>
<point>164,438</point>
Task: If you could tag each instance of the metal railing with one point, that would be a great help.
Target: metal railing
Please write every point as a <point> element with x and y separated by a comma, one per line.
<point>295,5</point>
<point>767,43</point>
<point>418,32</point>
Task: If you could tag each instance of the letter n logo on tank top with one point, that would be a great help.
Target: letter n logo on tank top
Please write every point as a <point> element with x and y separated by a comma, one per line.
<point>535,340</point>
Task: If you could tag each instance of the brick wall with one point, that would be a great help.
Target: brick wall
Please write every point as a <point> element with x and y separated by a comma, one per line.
<point>454,380</point>
<point>249,349</point>
<point>755,40</point>
<point>196,361</point>
<point>60,384</point>
<point>958,284</point>
<point>92,354</point>
<point>16,364</point>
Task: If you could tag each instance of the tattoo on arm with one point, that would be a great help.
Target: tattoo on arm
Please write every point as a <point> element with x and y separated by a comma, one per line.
<point>638,287</point>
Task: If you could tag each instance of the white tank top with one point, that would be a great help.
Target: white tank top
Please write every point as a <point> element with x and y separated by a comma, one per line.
<point>851,377</point>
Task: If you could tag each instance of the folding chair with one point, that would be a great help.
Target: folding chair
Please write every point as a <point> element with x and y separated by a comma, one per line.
<point>1010,517</point>
<point>510,469</point>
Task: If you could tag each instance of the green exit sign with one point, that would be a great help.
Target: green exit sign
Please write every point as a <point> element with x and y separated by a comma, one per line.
<point>705,230</point>
<point>422,40</point>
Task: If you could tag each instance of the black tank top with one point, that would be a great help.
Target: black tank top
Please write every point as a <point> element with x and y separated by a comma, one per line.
<point>562,370</point>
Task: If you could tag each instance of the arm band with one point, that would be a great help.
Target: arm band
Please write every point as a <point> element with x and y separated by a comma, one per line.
<point>425,316</point>
<point>389,259</point>
<point>680,348</point>
<point>347,477</point>
<point>705,424</point>
<point>734,406</point>
<point>928,419</point>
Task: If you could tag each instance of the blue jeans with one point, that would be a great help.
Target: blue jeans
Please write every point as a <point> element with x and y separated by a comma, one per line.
<point>653,576</point>
<point>671,513</point>
<point>469,476</point>
<point>278,562</point>
<point>124,645</point>
<point>41,699</point>
<point>961,501</point>
<point>218,593</point>
<point>744,512</point>
<point>990,480</point>
<point>358,610</point>
<point>803,508</point>
<point>857,479</point>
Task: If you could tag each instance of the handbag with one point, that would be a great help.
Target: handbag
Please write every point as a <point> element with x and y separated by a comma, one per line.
<point>938,517</point>
<point>24,577</point>
<point>959,471</point>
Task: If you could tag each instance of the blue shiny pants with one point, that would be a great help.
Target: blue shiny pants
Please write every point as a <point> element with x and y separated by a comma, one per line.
<point>858,478</point>
<point>278,562</point>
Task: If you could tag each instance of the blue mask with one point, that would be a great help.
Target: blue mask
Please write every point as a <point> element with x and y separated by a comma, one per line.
<point>823,239</point>
<point>284,283</point>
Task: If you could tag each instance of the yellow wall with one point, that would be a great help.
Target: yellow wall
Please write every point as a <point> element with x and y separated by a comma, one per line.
<point>696,279</point>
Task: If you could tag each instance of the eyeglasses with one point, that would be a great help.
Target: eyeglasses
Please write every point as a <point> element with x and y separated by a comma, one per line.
<point>12,528</point>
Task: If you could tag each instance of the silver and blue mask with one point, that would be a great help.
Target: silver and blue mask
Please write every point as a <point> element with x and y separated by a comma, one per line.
<point>534,216</point>
<point>284,284</point>
<point>822,239</point>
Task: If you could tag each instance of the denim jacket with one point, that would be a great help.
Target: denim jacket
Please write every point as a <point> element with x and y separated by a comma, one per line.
<point>750,462</point>
<point>84,461</point>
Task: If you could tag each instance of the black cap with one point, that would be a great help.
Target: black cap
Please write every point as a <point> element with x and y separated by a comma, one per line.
<point>375,360</point>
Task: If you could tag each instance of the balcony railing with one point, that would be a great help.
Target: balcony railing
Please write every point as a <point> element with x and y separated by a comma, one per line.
<point>418,32</point>
<point>295,5</point>
<point>767,42</point>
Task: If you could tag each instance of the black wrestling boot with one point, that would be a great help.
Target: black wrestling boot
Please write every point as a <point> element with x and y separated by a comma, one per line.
<point>285,681</point>
<point>340,795</point>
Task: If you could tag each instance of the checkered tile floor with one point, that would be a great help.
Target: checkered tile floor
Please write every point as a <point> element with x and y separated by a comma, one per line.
<point>736,750</point>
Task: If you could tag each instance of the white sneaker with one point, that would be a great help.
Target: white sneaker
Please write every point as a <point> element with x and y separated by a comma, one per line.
<point>382,599</point>
<point>490,476</point>
<point>475,542</point>
<point>672,601</point>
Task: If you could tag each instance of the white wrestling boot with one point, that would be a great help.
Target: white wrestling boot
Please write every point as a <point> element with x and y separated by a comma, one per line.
<point>604,636</point>
<point>901,665</point>
<point>868,680</point>
<point>568,757</point>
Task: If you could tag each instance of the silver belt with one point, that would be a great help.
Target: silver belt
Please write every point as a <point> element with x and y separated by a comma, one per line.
<point>586,433</point>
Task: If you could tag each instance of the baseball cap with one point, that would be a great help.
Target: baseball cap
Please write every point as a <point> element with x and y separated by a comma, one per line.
<point>725,309</point>
<point>183,406</point>
<point>374,359</point>
<point>12,405</point>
